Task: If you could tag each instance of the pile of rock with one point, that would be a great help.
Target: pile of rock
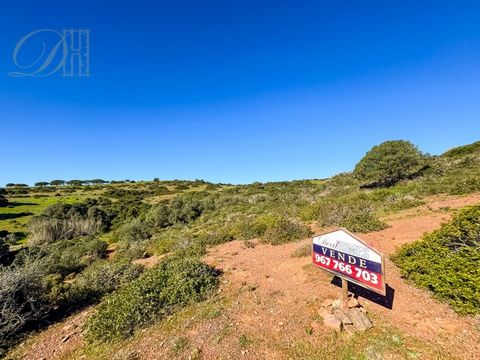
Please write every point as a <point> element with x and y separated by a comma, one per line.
<point>349,316</point>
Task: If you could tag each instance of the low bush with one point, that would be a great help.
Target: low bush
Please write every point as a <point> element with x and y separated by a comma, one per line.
<point>23,303</point>
<point>133,231</point>
<point>50,230</point>
<point>246,227</point>
<point>447,261</point>
<point>280,230</point>
<point>215,237</point>
<point>302,251</point>
<point>465,185</point>
<point>63,257</point>
<point>461,151</point>
<point>179,241</point>
<point>354,213</point>
<point>99,279</point>
<point>178,211</point>
<point>161,290</point>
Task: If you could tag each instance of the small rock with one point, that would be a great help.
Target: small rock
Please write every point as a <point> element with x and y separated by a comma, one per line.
<point>332,322</point>
<point>349,330</point>
<point>352,303</point>
<point>336,304</point>
<point>65,338</point>
<point>340,315</point>
<point>324,311</point>
<point>316,326</point>
<point>373,354</point>
<point>327,302</point>
<point>67,328</point>
<point>360,320</point>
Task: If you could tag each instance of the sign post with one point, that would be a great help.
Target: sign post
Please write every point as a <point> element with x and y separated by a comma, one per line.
<point>344,292</point>
<point>345,255</point>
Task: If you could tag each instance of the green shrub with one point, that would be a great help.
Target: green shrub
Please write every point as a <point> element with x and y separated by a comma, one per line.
<point>133,231</point>
<point>356,214</point>
<point>280,229</point>
<point>180,210</point>
<point>447,261</point>
<point>178,241</point>
<point>465,185</point>
<point>63,257</point>
<point>216,237</point>
<point>463,150</point>
<point>246,227</point>
<point>99,279</point>
<point>388,163</point>
<point>161,290</point>
<point>302,251</point>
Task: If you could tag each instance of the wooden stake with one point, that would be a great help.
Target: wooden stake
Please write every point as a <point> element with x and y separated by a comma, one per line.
<point>344,293</point>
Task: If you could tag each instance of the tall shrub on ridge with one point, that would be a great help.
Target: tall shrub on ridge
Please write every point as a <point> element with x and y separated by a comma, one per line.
<point>388,163</point>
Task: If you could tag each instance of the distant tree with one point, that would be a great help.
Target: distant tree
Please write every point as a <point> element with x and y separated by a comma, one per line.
<point>21,185</point>
<point>156,179</point>
<point>98,181</point>
<point>10,185</point>
<point>388,163</point>
<point>41,183</point>
<point>57,182</point>
<point>75,182</point>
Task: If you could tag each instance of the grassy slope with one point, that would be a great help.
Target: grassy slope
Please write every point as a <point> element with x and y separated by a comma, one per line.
<point>15,216</point>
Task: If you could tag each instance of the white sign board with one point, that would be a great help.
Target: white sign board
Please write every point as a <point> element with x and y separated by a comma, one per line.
<point>342,253</point>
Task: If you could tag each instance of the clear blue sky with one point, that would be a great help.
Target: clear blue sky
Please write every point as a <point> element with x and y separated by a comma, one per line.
<point>238,91</point>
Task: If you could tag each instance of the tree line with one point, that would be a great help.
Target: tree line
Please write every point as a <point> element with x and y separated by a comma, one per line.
<point>66,182</point>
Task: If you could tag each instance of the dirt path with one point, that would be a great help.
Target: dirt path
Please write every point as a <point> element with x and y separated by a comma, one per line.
<point>274,298</point>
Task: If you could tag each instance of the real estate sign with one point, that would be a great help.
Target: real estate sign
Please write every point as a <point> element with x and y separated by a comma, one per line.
<point>342,253</point>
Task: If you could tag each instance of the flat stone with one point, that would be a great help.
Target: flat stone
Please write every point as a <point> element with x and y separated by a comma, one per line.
<point>340,315</point>
<point>336,304</point>
<point>332,322</point>
<point>327,302</point>
<point>360,320</point>
<point>352,303</point>
<point>316,326</point>
<point>349,330</point>
<point>324,312</point>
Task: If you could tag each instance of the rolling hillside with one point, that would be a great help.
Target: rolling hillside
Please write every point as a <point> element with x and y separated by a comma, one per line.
<point>84,253</point>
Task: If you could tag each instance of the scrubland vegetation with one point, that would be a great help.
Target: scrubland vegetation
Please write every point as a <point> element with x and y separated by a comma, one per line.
<point>63,264</point>
<point>447,261</point>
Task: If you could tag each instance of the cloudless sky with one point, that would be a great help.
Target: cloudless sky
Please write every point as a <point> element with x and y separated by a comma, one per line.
<point>237,91</point>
